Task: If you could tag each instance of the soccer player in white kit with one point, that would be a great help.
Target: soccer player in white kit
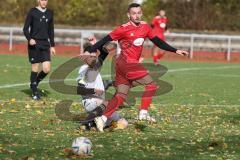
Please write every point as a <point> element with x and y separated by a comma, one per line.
<point>91,87</point>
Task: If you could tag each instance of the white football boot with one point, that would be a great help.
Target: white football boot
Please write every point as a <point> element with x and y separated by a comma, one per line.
<point>100,122</point>
<point>144,115</point>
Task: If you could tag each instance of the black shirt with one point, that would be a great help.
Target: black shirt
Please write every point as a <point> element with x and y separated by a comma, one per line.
<point>41,25</point>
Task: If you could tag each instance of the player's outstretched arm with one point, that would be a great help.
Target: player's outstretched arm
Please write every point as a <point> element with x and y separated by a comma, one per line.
<point>103,51</point>
<point>103,54</point>
<point>100,44</point>
<point>163,45</point>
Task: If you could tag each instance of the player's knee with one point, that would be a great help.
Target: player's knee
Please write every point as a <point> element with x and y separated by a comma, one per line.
<point>46,70</point>
<point>122,96</point>
<point>35,67</point>
<point>151,87</point>
<point>150,90</point>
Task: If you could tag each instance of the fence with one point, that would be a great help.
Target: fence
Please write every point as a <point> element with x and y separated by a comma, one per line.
<point>192,42</point>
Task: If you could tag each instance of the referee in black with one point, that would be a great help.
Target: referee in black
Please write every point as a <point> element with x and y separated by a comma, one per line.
<point>39,31</point>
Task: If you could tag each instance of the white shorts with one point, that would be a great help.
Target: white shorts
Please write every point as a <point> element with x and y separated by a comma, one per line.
<point>91,103</point>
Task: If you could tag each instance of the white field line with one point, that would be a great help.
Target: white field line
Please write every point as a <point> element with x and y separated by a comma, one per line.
<point>107,76</point>
<point>213,75</point>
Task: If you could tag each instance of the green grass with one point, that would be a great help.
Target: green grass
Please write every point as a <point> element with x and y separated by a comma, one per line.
<point>198,119</point>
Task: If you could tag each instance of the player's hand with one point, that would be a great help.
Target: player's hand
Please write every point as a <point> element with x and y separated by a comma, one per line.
<point>182,53</point>
<point>92,40</point>
<point>52,51</point>
<point>141,59</point>
<point>98,91</point>
<point>32,42</point>
<point>86,55</point>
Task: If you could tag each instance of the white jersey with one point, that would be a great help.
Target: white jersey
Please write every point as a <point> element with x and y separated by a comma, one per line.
<point>91,78</point>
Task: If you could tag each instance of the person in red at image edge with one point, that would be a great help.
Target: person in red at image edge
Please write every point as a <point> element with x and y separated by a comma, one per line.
<point>159,25</point>
<point>129,72</point>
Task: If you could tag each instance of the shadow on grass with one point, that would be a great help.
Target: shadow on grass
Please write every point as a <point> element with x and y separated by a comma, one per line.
<point>43,92</point>
<point>174,148</point>
<point>233,118</point>
<point>170,148</point>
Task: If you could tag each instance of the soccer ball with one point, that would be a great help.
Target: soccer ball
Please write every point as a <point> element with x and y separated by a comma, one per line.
<point>122,123</point>
<point>81,146</point>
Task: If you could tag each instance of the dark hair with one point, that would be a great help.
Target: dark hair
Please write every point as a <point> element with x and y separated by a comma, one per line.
<point>133,5</point>
<point>87,46</point>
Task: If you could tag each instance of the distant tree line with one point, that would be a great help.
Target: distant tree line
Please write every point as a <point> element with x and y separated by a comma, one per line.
<point>198,14</point>
<point>183,14</point>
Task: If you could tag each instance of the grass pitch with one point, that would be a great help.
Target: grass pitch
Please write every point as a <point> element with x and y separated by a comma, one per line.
<point>198,119</point>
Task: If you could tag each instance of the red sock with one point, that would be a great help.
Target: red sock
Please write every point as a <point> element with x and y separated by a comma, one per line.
<point>155,59</point>
<point>113,105</point>
<point>149,92</point>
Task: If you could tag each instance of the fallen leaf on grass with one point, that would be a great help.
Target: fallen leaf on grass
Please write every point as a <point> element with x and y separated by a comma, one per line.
<point>210,148</point>
<point>70,154</point>
<point>225,145</point>
<point>10,152</point>
<point>39,112</point>
<point>99,146</point>
<point>13,100</point>
<point>50,134</point>
<point>28,158</point>
<point>13,111</point>
<point>48,121</point>
<point>27,106</point>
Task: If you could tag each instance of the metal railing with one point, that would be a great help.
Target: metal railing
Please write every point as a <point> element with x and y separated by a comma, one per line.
<point>191,38</point>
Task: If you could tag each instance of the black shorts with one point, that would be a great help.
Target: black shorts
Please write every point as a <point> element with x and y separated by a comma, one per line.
<point>38,54</point>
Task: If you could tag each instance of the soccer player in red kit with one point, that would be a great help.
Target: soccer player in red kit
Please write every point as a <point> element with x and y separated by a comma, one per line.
<point>129,72</point>
<point>159,25</point>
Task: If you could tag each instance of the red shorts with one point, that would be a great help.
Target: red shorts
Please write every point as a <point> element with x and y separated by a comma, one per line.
<point>126,72</point>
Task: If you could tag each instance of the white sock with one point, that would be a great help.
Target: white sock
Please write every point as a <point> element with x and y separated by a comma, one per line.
<point>104,118</point>
<point>142,111</point>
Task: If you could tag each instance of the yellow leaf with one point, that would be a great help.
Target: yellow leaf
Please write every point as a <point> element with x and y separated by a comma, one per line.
<point>13,111</point>
<point>50,134</point>
<point>27,106</point>
<point>13,100</point>
<point>153,107</point>
<point>39,112</point>
<point>210,148</point>
<point>225,145</point>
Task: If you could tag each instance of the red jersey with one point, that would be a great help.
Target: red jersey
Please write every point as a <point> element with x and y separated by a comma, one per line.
<point>131,39</point>
<point>159,26</point>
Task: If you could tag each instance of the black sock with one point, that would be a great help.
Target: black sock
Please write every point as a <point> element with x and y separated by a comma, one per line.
<point>33,80</point>
<point>98,111</point>
<point>41,76</point>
